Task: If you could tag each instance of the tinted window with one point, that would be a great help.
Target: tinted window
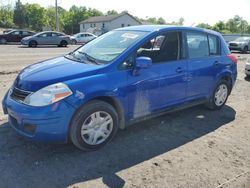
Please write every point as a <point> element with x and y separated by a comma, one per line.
<point>162,48</point>
<point>45,35</point>
<point>56,34</point>
<point>25,33</point>
<point>213,45</point>
<point>197,45</point>
<point>15,33</point>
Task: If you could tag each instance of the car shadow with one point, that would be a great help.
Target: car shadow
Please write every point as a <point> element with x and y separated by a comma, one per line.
<point>43,46</point>
<point>52,165</point>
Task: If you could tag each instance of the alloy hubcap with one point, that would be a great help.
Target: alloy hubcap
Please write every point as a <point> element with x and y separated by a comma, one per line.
<point>221,95</point>
<point>97,127</point>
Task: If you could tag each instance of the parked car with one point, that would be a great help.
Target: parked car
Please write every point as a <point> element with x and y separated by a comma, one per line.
<point>241,44</point>
<point>7,30</point>
<point>82,37</point>
<point>47,38</point>
<point>247,68</point>
<point>118,79</point>
<point>14,36</point>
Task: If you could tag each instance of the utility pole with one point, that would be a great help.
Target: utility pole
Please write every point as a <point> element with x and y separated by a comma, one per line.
<point>57,20</point>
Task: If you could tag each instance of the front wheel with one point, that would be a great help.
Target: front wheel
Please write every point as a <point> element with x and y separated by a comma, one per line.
<point>93,125</point>
<point>74,41</point>
<point>219,96</point>
<point>33,44</point>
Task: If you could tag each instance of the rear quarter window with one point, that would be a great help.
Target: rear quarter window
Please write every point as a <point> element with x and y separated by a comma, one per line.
<point>214,45</point>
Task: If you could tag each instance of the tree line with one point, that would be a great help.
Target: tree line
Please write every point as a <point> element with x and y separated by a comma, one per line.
<point>37,18</point>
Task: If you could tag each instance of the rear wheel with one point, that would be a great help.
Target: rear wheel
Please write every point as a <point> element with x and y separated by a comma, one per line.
<point>3,41</point>
<point>94,125</point>
<point>33,44</point>
<point>63,43</point>
<point>245,49</point>
<point>74,41</point>
<point>219,96</point>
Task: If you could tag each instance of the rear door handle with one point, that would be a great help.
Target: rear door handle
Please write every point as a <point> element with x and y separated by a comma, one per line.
<point>179,70</point>
<point>216,63</point>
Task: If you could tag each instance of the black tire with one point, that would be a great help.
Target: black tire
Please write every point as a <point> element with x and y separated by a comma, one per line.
<point>63,43</point>
<point>74,41</point>
<point>3,41</point>
<point>245,50</point>
<point>33,44</point>
<point>82,115</point>
<point>212,101</point>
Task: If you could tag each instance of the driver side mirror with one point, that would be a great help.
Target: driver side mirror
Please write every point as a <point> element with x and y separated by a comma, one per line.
<point>141,63</point>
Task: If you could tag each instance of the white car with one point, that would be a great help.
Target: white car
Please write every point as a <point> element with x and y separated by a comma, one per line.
<point>247,68</point>
<point>82,37</point>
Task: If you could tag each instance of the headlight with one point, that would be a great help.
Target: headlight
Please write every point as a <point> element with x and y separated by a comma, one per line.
<point>48,95</point>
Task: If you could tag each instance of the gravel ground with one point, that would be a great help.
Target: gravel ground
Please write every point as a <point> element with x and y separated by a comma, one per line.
<point>190,148</point>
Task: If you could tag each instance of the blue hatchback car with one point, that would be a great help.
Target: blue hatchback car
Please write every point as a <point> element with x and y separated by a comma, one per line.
<point>124,76</point>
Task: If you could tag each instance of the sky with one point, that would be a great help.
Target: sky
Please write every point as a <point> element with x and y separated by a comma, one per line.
<point>193,11</point>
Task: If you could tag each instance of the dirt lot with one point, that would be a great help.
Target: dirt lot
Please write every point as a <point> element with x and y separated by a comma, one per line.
<point>191,148</point>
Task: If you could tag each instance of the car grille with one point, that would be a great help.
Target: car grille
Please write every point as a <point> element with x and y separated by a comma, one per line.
<point>19,95</point>
<point>233,44</point>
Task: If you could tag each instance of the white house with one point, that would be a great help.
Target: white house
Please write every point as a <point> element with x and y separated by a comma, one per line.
<point>102,24</point>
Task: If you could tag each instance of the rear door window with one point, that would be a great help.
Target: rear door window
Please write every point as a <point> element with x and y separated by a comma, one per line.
<point>197,44</point>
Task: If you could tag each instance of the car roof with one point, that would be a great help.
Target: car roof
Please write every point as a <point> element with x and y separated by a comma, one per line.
<point>159,28</point>
<point>49,32</point>
<point>84,33</point>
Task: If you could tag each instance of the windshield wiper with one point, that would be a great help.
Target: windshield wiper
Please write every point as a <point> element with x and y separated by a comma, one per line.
<point>89,58</point>
<point>73,57</point>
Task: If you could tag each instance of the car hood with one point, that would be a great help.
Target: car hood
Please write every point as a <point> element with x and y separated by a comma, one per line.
<point>39,75</point>
<point>27,38</point>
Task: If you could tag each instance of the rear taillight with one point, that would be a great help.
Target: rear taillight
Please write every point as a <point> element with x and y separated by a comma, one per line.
<point>233,58</point>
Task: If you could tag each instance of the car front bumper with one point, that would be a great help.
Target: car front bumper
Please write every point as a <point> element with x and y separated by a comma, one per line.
<point>24,42</point>
<point>238,48</point>
<point>49,123</point>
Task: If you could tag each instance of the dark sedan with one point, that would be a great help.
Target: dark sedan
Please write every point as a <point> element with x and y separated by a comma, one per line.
<point>14,36</point>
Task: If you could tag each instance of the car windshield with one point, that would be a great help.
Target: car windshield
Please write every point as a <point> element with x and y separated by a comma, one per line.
<point>107,47</point>
<point>243,39</point>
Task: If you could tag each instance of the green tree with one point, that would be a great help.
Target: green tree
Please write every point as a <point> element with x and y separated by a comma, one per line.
<point>18,17</point>
<point>35,16</point>
<point>6,16</point>
<point>76,15</point>
<point>221,27</point>
<point>112,12</point>
<point>161,21</point>
<point>237,25</point>
<point>181,21</point>
<point>204,25</point>
<point>51,17</point>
